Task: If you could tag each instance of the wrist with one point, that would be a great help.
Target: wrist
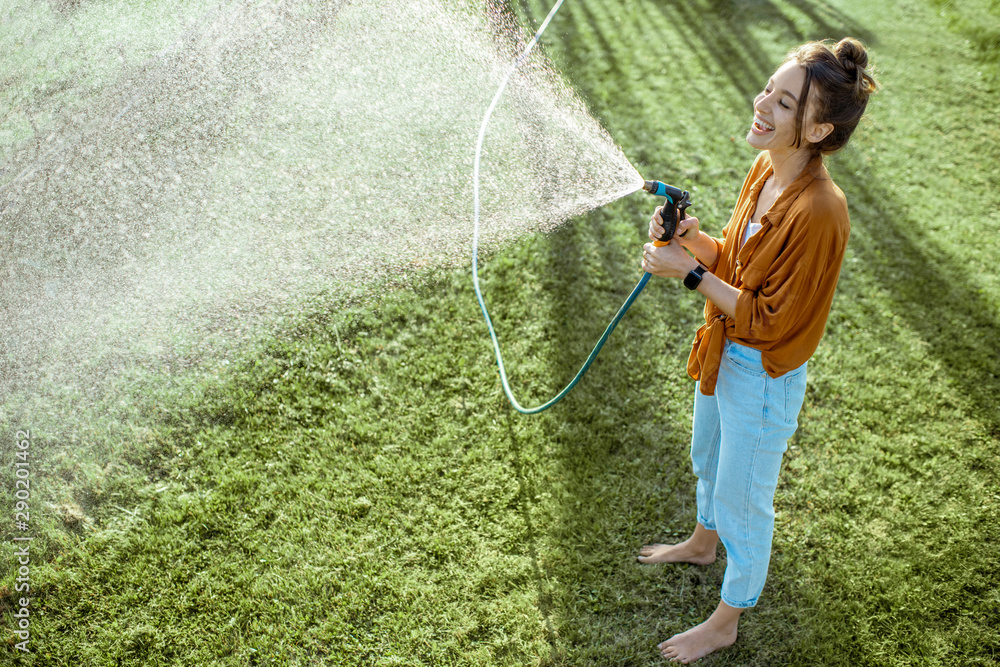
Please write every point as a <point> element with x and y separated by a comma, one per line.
<point>690,240</point>
<point>693,279</point>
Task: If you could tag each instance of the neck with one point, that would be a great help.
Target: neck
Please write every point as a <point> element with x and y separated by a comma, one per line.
<point>788,165</point>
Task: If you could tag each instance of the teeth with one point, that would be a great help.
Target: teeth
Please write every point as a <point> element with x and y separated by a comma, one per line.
<point>764,126</point>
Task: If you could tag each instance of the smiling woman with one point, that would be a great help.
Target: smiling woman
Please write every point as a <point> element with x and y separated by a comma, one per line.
<point>770,283</point>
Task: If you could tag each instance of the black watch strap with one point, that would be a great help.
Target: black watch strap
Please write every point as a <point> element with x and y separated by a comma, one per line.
<point>693,279</point>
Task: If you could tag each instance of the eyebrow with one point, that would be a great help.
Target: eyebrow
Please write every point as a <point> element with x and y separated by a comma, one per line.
<point>770,82</point>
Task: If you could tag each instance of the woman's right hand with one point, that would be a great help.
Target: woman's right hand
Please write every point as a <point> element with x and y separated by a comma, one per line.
<point>687,230</point>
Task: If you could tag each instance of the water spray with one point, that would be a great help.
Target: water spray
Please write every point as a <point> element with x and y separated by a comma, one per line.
<point>225,170</point>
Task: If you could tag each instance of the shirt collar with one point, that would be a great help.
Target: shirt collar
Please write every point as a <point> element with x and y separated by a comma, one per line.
<point>814,169</point>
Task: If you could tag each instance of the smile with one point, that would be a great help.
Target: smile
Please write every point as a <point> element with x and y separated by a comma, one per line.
<point>760,126</point>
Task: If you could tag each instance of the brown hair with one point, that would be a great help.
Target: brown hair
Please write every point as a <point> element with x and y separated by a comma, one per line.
<point>843,86</point>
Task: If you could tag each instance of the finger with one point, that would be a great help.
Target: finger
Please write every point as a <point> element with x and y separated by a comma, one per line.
<point>685,225</point>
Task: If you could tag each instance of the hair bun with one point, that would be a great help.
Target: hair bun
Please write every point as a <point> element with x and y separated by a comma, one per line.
<point>853,58</point>
<point>851,53</point>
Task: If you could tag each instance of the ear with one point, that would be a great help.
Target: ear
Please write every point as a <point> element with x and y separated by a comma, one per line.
<point>817,132</point>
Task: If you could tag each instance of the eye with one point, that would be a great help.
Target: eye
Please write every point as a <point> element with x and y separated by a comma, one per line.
<point>783,105</point>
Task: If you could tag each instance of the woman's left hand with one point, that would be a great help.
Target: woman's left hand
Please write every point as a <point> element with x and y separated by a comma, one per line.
<point>669,261</point>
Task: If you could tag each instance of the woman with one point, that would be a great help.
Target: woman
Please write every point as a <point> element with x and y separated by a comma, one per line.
<point>769,283</point>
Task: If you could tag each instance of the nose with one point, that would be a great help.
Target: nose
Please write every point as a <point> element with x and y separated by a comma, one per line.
<point>762,103</point>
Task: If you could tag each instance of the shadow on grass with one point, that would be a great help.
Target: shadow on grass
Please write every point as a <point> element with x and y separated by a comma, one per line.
<point>608,435</point>
<point>526,494</point>
<point>729,40</point>
<point>937,300</point>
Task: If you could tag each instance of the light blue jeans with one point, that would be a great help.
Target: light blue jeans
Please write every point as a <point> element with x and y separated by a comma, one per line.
<point>738,439</point>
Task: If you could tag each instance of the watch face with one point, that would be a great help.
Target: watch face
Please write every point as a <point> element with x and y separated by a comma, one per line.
<point>693,279</point>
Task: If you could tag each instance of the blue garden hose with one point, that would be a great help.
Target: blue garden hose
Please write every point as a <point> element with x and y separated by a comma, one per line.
<point>583,369</point>
<point>475,254</point>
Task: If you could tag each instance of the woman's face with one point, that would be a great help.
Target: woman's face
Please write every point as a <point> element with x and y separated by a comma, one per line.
<point>776,108</point>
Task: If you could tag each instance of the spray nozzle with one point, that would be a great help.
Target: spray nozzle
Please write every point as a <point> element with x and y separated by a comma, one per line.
<point>674,208</point>
<point>661,189</point>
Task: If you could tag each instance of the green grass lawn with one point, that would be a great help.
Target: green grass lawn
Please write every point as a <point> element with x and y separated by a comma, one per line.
<point>356,490</point>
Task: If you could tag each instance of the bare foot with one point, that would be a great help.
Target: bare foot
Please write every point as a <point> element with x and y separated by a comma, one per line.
<point>698,549</point>
<point>719,631</point>
<point>684,552</point>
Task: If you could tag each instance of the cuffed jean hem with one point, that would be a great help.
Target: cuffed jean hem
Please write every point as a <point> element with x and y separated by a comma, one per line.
<point>740,605</point>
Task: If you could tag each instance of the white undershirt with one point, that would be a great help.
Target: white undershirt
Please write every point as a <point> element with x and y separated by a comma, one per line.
<point>752,228</point>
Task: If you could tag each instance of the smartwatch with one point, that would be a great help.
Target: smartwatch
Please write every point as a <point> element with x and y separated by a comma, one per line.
<point>693,279</point>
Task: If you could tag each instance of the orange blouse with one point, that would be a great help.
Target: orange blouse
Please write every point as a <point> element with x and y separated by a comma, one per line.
<point>786,273</point>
